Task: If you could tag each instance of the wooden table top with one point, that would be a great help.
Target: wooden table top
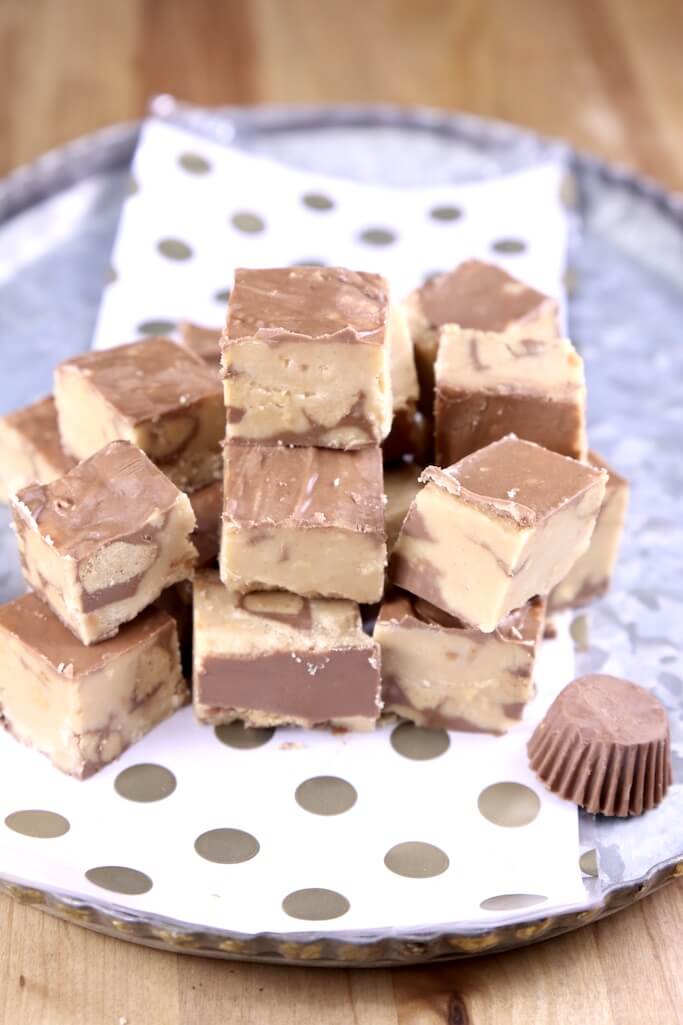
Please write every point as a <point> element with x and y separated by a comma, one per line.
<point>605,74</point>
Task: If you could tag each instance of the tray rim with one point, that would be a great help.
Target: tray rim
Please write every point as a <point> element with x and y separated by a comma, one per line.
<point>110,148</point>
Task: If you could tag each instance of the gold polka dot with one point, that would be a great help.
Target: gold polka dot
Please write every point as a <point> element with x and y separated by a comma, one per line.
<point>308,263</point>
<point>315,905</point>
<point>569,191</point>
<point>248,222</point>
<point>145,782</point>
<point>588,863</point>
<point>236,734</point>
<point>174,249</point>
<point>419,743</point>
<point>119,879</point>
<point>579,630</point>
<point>430,275</point>
<point>227,846</point>
<point>445,213</point>
<point>416,860</point>
<point>317,201</point>
<point>326,795</point>
<point>511,901</point>
<point>570,279</point>
<point>378,236</point>
<point>222,296</point>
<point>132,187</point>
<point>509,245</point>
<point>509,804</point>
<point>44,825</point>
<point>156,327</point>
<point>194,163</point>
<point>111,276</point>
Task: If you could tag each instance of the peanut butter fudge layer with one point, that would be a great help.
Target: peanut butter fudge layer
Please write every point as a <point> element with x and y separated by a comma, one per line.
<point>489,385</point>
<point>83,706</point>
<point>152,393</point>
<point>102,542</point>
<point>475,295</point>
<point>305,358</point>
<point>589,578</point>
<point>307,520</point>
<point>502,525</point>
<point>401,484</point>
<point>440,673</point>
<point>203,342</point>
<point>207,506</point>
<point>30,447</point>
<point>276,658</point>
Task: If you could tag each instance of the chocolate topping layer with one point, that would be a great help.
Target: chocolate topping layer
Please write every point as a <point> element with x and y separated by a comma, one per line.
<point>304,487</point>
<point>111,495</point>
<point>480,295</point>
<point>32,622</point>
<point>202,341</point>
<point>515,479</point>
<point>309,302</point>
<point>38,424</point>
<point>406,610</point>
<point>317,686</point>
<point>145,380</point>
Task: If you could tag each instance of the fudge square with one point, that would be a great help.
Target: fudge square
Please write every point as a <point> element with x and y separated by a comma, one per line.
<point>489,385</point>
<point>589,578</point>
<point>30,446</point>
<point>305,358</point>
<point>307,520</point>
<point>474,295</point>
<point>83,706</point>
<point>502,525</point>
<point>442,674</point>
<point>152,393</point>
<point>103,541</point>
<point>274,658</point>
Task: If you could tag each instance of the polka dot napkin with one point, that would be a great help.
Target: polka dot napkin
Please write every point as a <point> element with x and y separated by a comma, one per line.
<point>198,209</point>
<point>288,830</point>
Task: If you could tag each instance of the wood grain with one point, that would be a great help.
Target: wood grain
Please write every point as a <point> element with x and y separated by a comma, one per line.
<point>606,74</point>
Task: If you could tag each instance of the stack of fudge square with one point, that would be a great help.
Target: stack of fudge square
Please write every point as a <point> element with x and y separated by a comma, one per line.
<point>353,459</point>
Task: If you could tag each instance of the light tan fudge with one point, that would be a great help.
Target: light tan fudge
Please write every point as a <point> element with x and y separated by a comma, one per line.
<point>442,674</point>
<point>490,384</point>
<point>305,358</point>
<point>590,576</point>
<point>401,485</point>
<point>307,520</point>
<point>502,525</point>
<point>102,542</point>
<point>152,393</point>
<point>474,295</point>
<point>203,342</point>
<point>274,658</point>
<point>30,447</point>
<point>83,706</point>
<point>405,437</point>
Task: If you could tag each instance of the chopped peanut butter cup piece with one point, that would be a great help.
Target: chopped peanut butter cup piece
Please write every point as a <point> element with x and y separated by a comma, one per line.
<point>83,706</point>
<point>307,520</point>
<point>475,295</point>
<point>305,357</point>
<point>102,542</point>
<point>442,674</point>
<point>152,393</point>
<point>489,385</point>
<point>31,449</point>
<point>275,658</point>
<point>502,525</point>
<point>207,506</point>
